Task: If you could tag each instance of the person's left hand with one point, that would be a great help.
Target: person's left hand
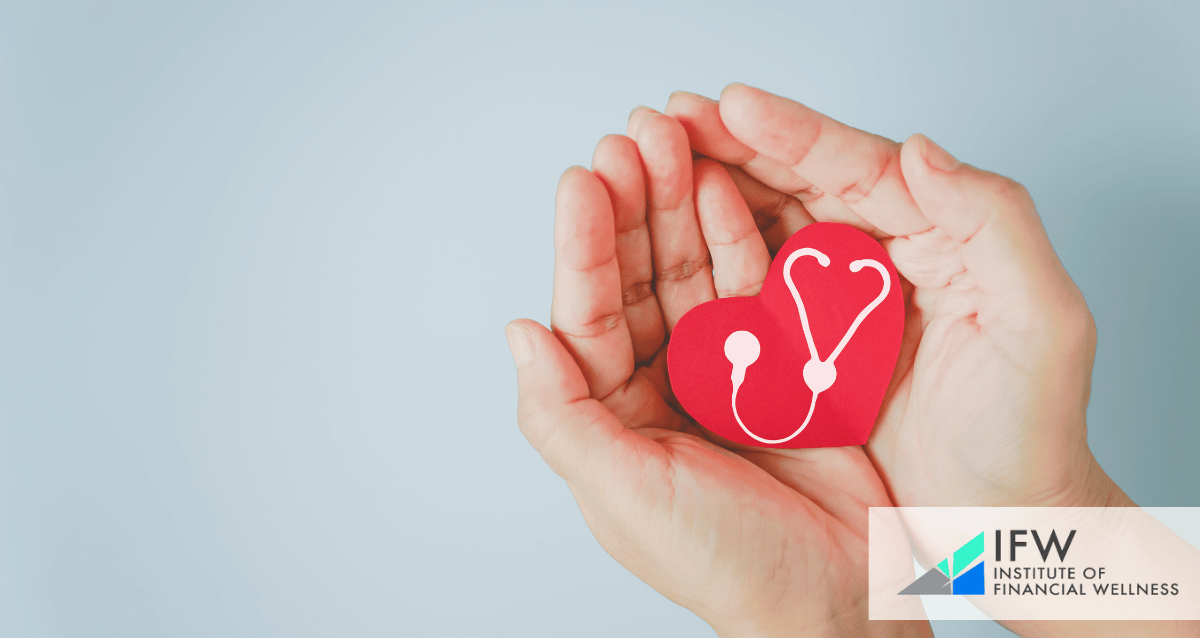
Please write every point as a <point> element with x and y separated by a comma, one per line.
<point>755,541</point>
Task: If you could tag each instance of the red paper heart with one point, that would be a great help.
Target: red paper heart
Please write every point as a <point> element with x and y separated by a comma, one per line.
<point>774,400</point>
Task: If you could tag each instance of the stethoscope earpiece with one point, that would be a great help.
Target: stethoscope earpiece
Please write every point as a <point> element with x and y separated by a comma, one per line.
<point>742,347</point>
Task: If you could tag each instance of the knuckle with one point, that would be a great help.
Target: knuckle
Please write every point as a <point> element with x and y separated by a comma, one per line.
<point>683,270</point>
<point>1012,194</point>
<point>748,290</point>
<point>637,292</point>
<point>593,327</point>
<point>1075,327</point>
<point>808,193</point>
<point>860,188</point>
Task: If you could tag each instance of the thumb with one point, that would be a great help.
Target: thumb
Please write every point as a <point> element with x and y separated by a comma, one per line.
<point>573,432</point>
<point>1005,248</point>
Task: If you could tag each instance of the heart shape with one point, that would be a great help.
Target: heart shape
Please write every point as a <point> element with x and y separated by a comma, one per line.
<point>805,363</point>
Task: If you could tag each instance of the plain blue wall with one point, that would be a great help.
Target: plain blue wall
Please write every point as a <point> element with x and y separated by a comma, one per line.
<point>255,261</point>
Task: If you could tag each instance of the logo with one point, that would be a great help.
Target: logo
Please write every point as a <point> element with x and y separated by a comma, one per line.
<point>955,575</point>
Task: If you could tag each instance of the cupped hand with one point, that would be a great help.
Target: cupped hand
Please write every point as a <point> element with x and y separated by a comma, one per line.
<point>988,402</point>
<point>755,541</point>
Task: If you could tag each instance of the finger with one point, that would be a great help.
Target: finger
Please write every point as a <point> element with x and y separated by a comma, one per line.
<point>682,270</point>
<point>778,216</point>
<point>586,311</point>
<point>1005,250</point>
<point>707,134</point>
<point>739,256</point>
<point>860,169</point>
<point>617,164</point>
<point>636,116</point>
<point>573,433</point>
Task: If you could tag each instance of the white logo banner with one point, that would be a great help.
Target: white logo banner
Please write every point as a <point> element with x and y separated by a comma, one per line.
<point>1034,563</point>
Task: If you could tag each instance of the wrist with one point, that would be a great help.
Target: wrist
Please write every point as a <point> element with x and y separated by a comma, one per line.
<point>1099,490</point>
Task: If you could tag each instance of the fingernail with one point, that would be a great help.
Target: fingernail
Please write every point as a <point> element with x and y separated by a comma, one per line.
<point>937,157</point>
<point>635,110</point>
<point>730,86</point>
<point>520,343</point>
<point>702,98</point>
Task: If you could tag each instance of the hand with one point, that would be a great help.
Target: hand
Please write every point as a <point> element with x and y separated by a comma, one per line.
<point>755,541</point>
<point>987,405</point>
<point>988,401</point>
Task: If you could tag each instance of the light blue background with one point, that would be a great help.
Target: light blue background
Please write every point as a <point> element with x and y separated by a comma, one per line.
<point>255,261</point>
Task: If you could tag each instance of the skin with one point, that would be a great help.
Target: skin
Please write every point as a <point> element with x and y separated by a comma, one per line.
<point>986,407</point>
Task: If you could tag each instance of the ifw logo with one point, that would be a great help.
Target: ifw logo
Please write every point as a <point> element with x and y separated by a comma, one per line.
<point>955,575</point>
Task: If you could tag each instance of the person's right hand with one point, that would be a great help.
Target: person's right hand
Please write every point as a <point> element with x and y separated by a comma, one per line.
<point>987,405</point>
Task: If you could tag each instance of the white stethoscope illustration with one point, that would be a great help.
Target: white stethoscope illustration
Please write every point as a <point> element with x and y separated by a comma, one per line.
<point>742,347</point>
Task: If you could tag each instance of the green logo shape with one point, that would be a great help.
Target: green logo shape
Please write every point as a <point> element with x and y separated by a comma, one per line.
<point>952,576</point>
<point>965,555</point>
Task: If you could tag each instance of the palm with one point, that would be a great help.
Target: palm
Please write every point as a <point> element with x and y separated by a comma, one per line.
<point>768,531</point>
<point>936,402</point>
<point>947,432</point>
